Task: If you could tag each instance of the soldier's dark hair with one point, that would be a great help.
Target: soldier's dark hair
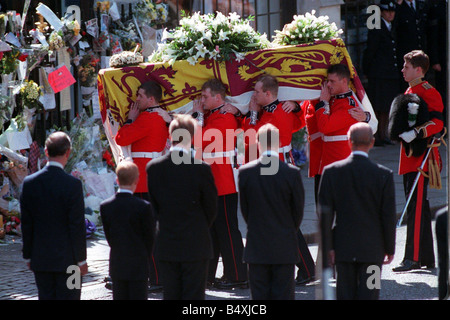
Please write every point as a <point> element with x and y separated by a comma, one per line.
<point>418,58</point>
<point>269,83</point>
<point>341,70</point>
<point>152,89</point>
<point>216,87</point>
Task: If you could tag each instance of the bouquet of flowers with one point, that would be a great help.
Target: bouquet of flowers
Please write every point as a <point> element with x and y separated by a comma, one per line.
<point>55,41</point>
<point>87,69</point>
<point>305,29</point>
<point>10,60</point>
<point>71,28</point>
<point>209,36</point>
<point>151,13</point>
<point>30,93</point>
<point>126,58</point>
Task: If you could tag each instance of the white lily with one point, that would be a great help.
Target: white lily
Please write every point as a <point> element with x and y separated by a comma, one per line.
<point>223,35</point>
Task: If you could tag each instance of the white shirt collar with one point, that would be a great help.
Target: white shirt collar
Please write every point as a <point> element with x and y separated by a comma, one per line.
<point>55,164</point>
<point>360,153</point>
<point>124,191</point>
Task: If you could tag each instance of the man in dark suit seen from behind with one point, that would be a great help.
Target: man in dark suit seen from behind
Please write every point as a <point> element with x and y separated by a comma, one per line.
<point>129,227</point>
<point>272,202</point>
<point>53,224</point>
<point>359,196</point>
<point>184,197</point>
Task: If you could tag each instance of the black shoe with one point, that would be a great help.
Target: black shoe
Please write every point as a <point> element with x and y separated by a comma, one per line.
<point>155,288</point>
<point>300,281</point>
<point>430,266</point>
<point>378,143</point>
<point>108,285</point>
<point>107,279</point>
<point>407,265</point>
<point>388,142</point>
<point>227,285</point>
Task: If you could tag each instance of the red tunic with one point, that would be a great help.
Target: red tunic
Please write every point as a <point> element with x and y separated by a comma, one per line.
<point>218,136</point>
<point>334,127</point>
<point>287,124</point>
<point>148,133</point>
<point>435,107</point>
<point>314,138</point>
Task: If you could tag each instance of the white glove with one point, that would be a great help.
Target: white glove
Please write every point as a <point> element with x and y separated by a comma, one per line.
<point>408,136</point>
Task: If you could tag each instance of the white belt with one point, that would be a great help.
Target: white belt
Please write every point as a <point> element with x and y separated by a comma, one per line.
<point>285,149</point>
<point>335,138</point>
<point>150,155</point>
<point>219,154</point>
<point>315,136</point>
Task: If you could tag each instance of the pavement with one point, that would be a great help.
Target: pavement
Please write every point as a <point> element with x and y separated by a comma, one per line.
<point>17,282</point>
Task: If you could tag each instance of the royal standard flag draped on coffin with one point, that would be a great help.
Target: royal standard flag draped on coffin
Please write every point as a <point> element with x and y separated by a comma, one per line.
<point>300,71</point>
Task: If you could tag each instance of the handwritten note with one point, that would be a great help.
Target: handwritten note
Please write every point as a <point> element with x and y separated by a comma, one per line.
<point>60,79</point>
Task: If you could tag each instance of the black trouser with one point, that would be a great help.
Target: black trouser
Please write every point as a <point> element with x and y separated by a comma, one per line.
<point>155,278</point>
<point>227,241</point>
<point>352,281</point>
<point>129,290</point>
<point>53,286</point>
<point>272,281</point>
<point>306,266</point>
<point>184,280</point>
<point>419,236</point>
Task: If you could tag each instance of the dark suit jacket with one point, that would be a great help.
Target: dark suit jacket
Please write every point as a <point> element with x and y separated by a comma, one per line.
<point>184,198</point>
<point>380,57</point>
<point>53,223</point>
<point>129,227</point>
<point>360,194</point>
<point>411,28</point>
<point>272,206</point>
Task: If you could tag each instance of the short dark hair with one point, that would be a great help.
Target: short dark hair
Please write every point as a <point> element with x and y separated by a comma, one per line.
<point>418,58</point>
<point>57,144</point>
<point>269,83</point>
<point>152,89</point>
<point>341,70</point>
<point>216,87</point>
<point>182,122</point>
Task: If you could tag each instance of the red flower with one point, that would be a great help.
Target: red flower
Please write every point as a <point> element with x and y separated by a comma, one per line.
<point>22,57</point>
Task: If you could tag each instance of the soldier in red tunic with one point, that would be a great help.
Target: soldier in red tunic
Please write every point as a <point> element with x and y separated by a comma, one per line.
<point>218,149</point>
<point>265,108</point>
<point>147,133</point>
<point>419,239</point>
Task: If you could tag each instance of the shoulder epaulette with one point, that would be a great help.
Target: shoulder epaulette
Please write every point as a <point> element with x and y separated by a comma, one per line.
<point>427,86</point>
